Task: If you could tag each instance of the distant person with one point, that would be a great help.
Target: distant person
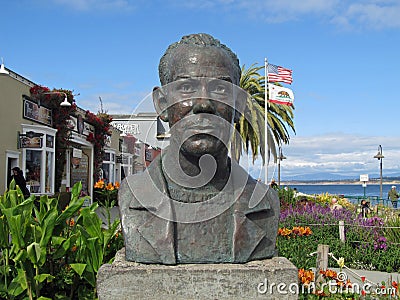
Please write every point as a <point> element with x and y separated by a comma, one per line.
<point>20,181</point>
<point>393,196</point>
<point>365,208</point>
<point>335,205</point>
<point>274,185</point>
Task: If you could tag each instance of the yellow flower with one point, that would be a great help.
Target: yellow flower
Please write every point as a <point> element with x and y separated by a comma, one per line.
<point>340,262</point>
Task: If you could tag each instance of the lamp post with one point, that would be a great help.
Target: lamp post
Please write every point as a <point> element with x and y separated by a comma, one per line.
<point>3,71</point>
<point>380,157</point>
<point>280,158</point>
<point>64,103</point>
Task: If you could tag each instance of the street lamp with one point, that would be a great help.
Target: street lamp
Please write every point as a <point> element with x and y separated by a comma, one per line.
<point>64,103</point>
<point>380,157</point>
<point>280,158</point>
<point>2,69</point>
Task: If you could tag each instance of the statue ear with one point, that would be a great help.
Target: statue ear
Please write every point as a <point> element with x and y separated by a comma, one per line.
<point>160,103</point>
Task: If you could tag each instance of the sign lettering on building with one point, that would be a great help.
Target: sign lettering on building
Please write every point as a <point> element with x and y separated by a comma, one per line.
<point>30,140</point>
<point>78,125</point>
<point>126,127</point>
<point>39,114</point>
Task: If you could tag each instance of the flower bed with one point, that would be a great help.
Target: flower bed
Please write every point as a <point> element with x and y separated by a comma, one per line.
<point>369,244</point>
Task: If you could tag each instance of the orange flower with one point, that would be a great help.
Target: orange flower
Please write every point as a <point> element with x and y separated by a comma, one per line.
<point>70,222</point>
<point>64,209</point>
<point>348,283</point>
<point>306,276</point>
<point>329,274</point>
<point>117,185</point>
<point>99,184</point>
<point>284,231</point>
<point>307,231</point>
<point>110,186</point>
<point>74,248</point>
<point>296,230</point>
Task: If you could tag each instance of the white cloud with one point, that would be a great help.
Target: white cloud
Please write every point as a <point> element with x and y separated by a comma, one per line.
<point>375,15</point>
<point>87,5</point>
<point>340,154</point>
<point>118,103</point>
<point>322,157</point>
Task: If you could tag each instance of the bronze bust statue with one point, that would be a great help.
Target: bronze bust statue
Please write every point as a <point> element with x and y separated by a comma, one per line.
<point>193,204</point>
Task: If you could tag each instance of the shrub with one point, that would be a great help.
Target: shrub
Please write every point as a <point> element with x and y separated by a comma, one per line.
<point>52,254</point>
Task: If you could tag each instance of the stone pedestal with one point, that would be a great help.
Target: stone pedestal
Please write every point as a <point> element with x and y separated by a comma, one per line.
<point>274,278</point>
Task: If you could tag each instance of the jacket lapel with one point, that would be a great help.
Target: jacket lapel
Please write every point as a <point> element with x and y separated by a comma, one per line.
<point>248,234</point>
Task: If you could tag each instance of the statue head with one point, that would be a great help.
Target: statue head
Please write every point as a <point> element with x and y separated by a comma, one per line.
<point>199,93</point>
<point>200,40</point>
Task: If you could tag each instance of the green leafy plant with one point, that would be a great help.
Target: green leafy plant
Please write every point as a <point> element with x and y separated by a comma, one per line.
<point>391,232</point>
<point>51,254</point>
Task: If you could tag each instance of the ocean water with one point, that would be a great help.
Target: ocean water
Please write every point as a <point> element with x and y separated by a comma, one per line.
<point>344,189</point>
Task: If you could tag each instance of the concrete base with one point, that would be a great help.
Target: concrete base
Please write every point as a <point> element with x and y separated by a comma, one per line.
<point>274,278</point>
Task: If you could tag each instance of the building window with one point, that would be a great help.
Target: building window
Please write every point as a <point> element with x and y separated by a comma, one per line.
<point>39,161</point>
<point>126,165</point>
<point>108,167</point>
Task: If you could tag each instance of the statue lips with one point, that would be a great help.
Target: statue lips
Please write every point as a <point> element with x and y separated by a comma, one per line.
<point>198,129</point>
<point>202,126</point>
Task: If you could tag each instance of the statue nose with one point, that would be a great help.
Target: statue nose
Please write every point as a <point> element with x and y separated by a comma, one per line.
<point>203,106</point>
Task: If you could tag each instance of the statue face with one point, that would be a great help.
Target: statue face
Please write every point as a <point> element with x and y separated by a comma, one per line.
<point>200,99</point>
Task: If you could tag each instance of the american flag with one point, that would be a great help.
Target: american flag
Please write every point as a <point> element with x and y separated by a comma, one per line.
<point>279,74</point>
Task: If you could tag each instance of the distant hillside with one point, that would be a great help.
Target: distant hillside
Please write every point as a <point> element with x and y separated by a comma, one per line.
<point>322,177</point>
<point>385,180</point>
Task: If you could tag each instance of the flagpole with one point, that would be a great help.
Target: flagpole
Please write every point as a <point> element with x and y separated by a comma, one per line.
<point>266,123</point>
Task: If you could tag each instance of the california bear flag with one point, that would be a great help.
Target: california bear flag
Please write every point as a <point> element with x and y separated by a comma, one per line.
<point>280,95</point>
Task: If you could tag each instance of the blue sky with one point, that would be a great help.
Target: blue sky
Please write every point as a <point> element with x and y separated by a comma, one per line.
<point>344,56</point>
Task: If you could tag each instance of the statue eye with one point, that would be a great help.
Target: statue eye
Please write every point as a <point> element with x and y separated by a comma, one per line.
<point>219,88</point>
<point>187,88</point>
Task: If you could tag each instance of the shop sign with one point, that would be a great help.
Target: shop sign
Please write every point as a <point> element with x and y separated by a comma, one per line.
<point>39,114</point>
<point>30,140</point>
<point>148,155</point>
<point>78,125</point>
<point>126,127</point>
<point>122,159</point>
<point>76,153</point>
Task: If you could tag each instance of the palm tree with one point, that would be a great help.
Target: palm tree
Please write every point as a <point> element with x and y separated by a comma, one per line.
<point>249,131</point>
